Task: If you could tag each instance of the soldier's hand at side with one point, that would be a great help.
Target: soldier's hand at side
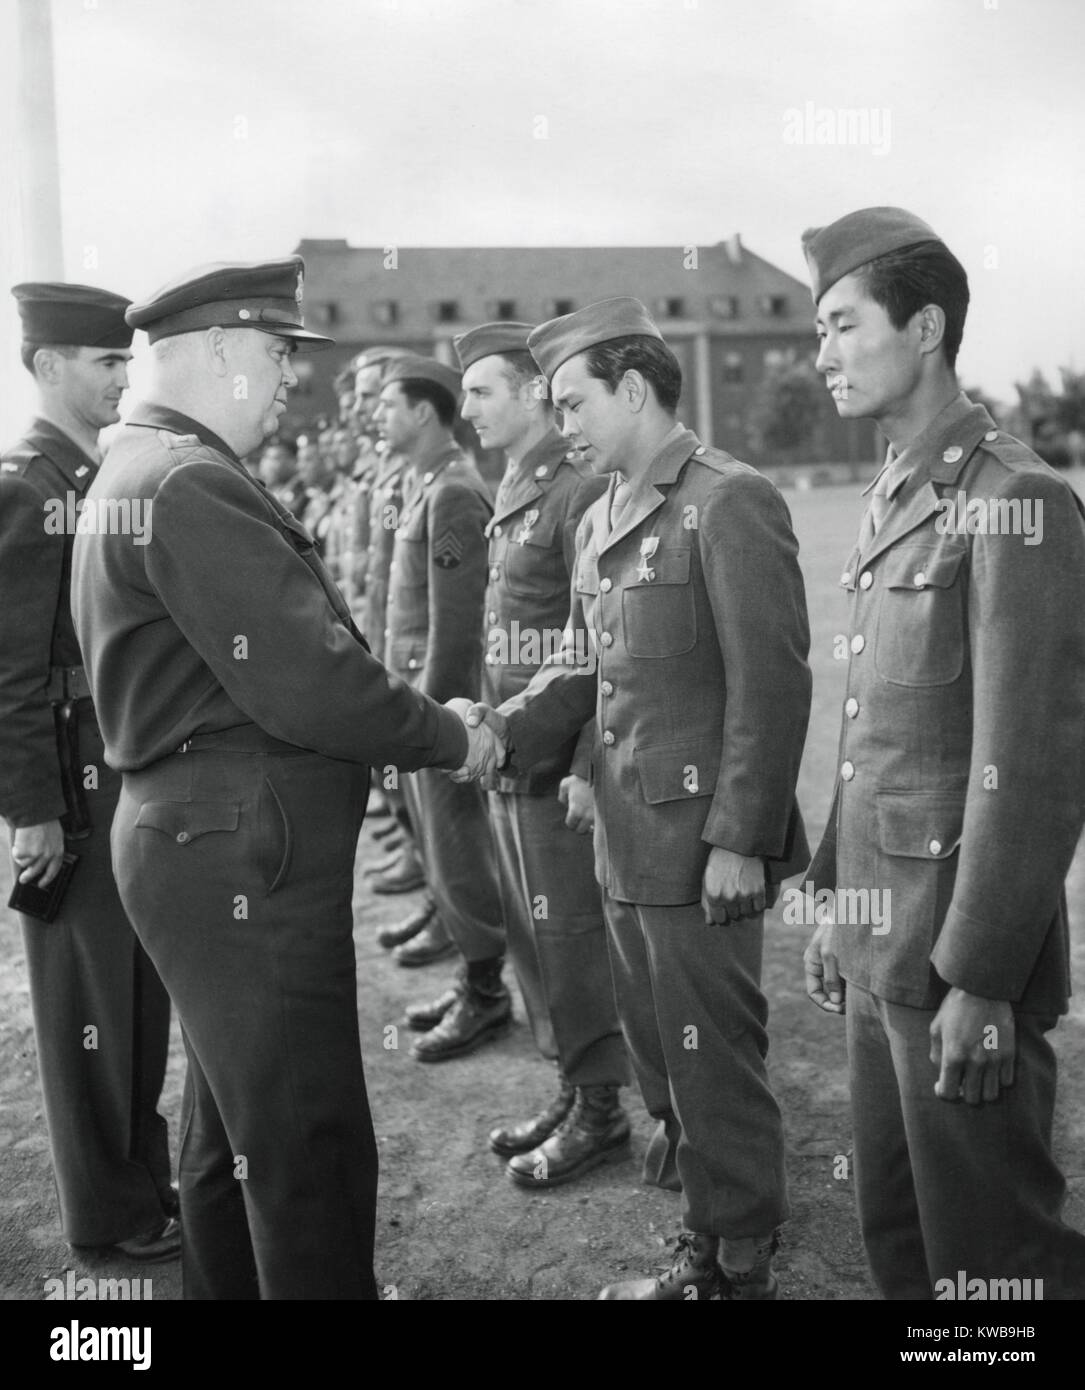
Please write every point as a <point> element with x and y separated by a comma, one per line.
<point>38,851</point>
<point>973,1044</point>
<point>823,983</point>
<point>577,795</point>
<point>734,887</point>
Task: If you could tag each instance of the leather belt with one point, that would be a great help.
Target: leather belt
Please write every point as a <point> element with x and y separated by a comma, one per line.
<point>67,683</point>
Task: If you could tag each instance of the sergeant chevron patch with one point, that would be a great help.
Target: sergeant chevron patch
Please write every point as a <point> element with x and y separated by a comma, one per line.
<point>448,550</point>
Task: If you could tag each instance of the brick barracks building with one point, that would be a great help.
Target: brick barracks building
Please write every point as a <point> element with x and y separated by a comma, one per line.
<point>726,313</point>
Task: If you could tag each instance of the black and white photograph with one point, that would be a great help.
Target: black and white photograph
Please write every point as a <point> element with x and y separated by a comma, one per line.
<point>542,666</point>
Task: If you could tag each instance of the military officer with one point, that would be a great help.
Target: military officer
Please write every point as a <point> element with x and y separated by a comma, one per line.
<point>243,708</point>
<point>688,586</point>
<point>959,795</point>
<point>542,821</point>
<point>437,584</point>
<point>101,1015</point>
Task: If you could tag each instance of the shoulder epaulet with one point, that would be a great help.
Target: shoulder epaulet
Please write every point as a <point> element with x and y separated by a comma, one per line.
<point>719,460</point>
<point>16,461</point>
<point>177,441</point>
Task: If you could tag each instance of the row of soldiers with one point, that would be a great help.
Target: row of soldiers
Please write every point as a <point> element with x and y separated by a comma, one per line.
<point>616,643</point>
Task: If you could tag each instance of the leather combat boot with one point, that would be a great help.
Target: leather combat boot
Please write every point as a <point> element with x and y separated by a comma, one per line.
<point>482,1010</point>
<point>522,1137</point>
<point>422,1017</point>
<point>694,1273</point>
<point>755,1283</point>
<point>409,927</point>
<point>430,943</point>
<point>595,1131</point>
<point>403,876</point>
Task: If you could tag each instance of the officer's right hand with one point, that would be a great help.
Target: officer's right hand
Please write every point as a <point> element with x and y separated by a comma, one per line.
<point>487,747</point>
<point>37,851</point>
<point>823,983</point>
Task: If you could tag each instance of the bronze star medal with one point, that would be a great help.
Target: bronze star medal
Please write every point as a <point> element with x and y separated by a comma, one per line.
<point>530,518</point>
<point>648,548</point>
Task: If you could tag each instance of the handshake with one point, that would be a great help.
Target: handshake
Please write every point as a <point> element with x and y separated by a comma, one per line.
<point>487,739</point>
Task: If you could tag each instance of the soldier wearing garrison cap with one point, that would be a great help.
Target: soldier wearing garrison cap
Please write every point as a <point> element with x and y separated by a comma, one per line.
<point>688,640</point>
<point>959,794</point>
<point>437,583</point>
<point>243,708</point>
<point>542,821</point>
<point>86,968</point>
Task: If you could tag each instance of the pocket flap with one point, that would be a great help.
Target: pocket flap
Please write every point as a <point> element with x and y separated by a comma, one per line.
<point>666,567</point>
<point>186,820</point>
<point>919,825</point>
<point>922,569</point>
<point>678,771</point>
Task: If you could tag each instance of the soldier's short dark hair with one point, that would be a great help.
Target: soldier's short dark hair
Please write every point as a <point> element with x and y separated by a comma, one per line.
<point>27,351</point>
<point>444,404</point>
<point>521,369</point>
<point>639,352</point>
<point>905,281</point>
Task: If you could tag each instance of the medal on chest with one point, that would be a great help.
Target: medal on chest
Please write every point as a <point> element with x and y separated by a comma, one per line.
<point>530,518</point>
<point>648,547</point>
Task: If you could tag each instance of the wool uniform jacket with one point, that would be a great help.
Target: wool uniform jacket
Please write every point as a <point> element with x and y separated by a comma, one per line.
<point>696,615</point>
<point>227,617</point>
<point>437,579</point>
<point>961,770</point>
<point>538,508</point>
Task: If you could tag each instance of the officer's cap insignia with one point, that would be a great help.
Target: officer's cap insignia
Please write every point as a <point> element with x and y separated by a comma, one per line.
<point>300,286</point>
<point>448,550</point>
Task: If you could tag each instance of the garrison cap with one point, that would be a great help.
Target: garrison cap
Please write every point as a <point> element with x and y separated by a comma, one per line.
<point>378,357</point>
<point>257,294</point>
<point>72,315</point>
<point>844,245</point>
<point>555,341</point>
<point>413,368</point>
<point>490,338</point>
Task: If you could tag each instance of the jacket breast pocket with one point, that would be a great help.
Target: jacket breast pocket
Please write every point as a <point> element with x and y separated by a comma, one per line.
<point>409,556</point>
<point>921,638</point>
<point>531,563</point>
<point>658,613</point>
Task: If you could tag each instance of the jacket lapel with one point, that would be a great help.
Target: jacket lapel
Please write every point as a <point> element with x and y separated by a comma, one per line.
<point>650,495</point>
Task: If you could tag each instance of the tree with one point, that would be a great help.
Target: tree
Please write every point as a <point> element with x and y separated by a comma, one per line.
<point>788,408</point>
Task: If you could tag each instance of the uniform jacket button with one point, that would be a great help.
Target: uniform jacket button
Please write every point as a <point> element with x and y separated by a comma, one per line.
<point>495,572</point>
<point>936,847</point>
<point>183,837</point>
<point>919,579</point>
<point>866,579</point>
<point>606,585</point>
<point>851,707</point>
<point>607,639</point>
<point>991,436</point>
<point>847,771</point>
<point>497,530</point>
<point>953,453</point>
<point>608,738</point>
<point>607,688</point>
<point>845,578</point>
<point>858,642</point>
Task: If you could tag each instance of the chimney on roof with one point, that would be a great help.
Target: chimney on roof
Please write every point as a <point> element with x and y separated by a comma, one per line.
<point>733,247</point>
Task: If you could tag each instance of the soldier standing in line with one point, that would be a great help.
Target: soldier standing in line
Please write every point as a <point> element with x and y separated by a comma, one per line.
<point>437,585</point>
<point>542,821</point>
<point>101,1015</point>
<point>688,585</point>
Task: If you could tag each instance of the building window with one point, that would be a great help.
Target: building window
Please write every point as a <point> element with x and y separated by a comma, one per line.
<point>503,309</point>
<point>561,307</point>
<point>671,307</point>
<point>733,369</point>
<point>327,312</point>
<point>724,306</point>
<point>774,306</point>
<point>386,312</point>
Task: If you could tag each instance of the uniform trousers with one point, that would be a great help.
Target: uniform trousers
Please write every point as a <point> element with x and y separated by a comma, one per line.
<point>452,832</point>
<point>557,937</point>
<point>944,1187</point>
<point>237,869</point>
<point>694,1018</point>
<point>101,1021</point>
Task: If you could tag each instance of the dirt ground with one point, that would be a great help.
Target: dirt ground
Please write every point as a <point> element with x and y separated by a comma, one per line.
<point>450,1224</point>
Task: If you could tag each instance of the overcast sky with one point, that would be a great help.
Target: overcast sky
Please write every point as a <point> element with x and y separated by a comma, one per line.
<point>197,130</point>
